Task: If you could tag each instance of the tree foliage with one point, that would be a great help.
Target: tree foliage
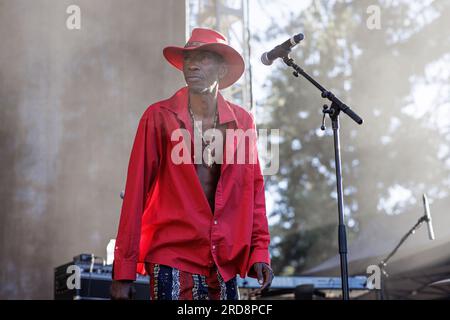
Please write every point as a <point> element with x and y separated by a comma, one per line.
<point>399,152</point>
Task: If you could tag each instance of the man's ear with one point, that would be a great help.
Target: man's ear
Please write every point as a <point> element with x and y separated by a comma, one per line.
<point>223,70</point>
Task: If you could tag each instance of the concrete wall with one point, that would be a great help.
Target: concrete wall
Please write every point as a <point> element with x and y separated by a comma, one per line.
<point>70,101</point>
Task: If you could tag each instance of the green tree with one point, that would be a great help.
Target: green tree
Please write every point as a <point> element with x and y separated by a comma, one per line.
<point>375,72</point>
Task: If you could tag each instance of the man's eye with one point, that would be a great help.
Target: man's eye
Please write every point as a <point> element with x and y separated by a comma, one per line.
<point>200,57</point>
<point>206,57</point>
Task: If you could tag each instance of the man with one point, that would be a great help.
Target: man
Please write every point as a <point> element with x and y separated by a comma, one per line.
<point>192,225</point>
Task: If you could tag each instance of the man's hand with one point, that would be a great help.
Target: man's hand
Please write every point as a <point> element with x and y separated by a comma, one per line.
<point>264,274</point>
<point>122,290</point>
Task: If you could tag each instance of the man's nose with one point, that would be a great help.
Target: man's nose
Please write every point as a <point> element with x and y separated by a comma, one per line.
<point>193,67</point>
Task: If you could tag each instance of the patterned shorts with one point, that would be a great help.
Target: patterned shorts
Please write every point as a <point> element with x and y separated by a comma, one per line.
<point>167,283</point>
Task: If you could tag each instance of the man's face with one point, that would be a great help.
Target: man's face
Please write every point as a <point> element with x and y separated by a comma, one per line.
<point>203,70</point>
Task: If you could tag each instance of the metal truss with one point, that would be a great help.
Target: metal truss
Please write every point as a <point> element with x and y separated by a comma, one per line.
<point>230,17</point>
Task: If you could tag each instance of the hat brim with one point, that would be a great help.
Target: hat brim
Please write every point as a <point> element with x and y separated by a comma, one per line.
<point>234,61</point>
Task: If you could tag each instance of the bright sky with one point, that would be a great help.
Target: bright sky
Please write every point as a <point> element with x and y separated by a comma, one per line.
<point>261,14</point>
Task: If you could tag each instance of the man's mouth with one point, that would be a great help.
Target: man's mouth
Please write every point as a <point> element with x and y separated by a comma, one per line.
<point>194,78</point>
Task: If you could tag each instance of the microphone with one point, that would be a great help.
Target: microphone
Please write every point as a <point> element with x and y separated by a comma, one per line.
<point>281,50</point>
<point>428,217</point>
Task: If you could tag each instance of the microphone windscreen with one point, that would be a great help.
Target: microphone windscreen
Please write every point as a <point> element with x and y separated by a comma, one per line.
<point>265,59</point>
<point>428,215</point>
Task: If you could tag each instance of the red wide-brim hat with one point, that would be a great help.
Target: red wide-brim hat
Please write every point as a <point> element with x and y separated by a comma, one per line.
<point>209,40</point>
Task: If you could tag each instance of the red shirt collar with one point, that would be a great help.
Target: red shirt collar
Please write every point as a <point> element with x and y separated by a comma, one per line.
<point>179,101</point>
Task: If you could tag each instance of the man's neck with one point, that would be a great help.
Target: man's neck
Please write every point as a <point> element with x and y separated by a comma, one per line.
<point>204,104</point>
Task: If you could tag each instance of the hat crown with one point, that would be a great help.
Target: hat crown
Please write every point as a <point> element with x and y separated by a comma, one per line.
<point>202,36</point>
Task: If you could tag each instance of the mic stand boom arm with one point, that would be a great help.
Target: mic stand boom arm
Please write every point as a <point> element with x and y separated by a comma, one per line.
<point>333,111</point>
<point>383,262</point>
<point>406,236</point>
<point>339,105</point>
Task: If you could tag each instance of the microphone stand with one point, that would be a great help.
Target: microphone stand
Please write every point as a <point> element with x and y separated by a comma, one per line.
<point>383,263</point>
<point>333,111</point>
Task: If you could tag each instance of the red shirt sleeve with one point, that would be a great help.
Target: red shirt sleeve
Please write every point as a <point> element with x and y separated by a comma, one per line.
<point>260,233</point>
<point>142,169</point>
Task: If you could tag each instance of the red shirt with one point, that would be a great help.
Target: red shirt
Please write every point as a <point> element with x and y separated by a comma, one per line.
<point>166,217</point>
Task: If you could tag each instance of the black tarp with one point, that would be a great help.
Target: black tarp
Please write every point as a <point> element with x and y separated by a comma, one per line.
<point>418,270</point>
